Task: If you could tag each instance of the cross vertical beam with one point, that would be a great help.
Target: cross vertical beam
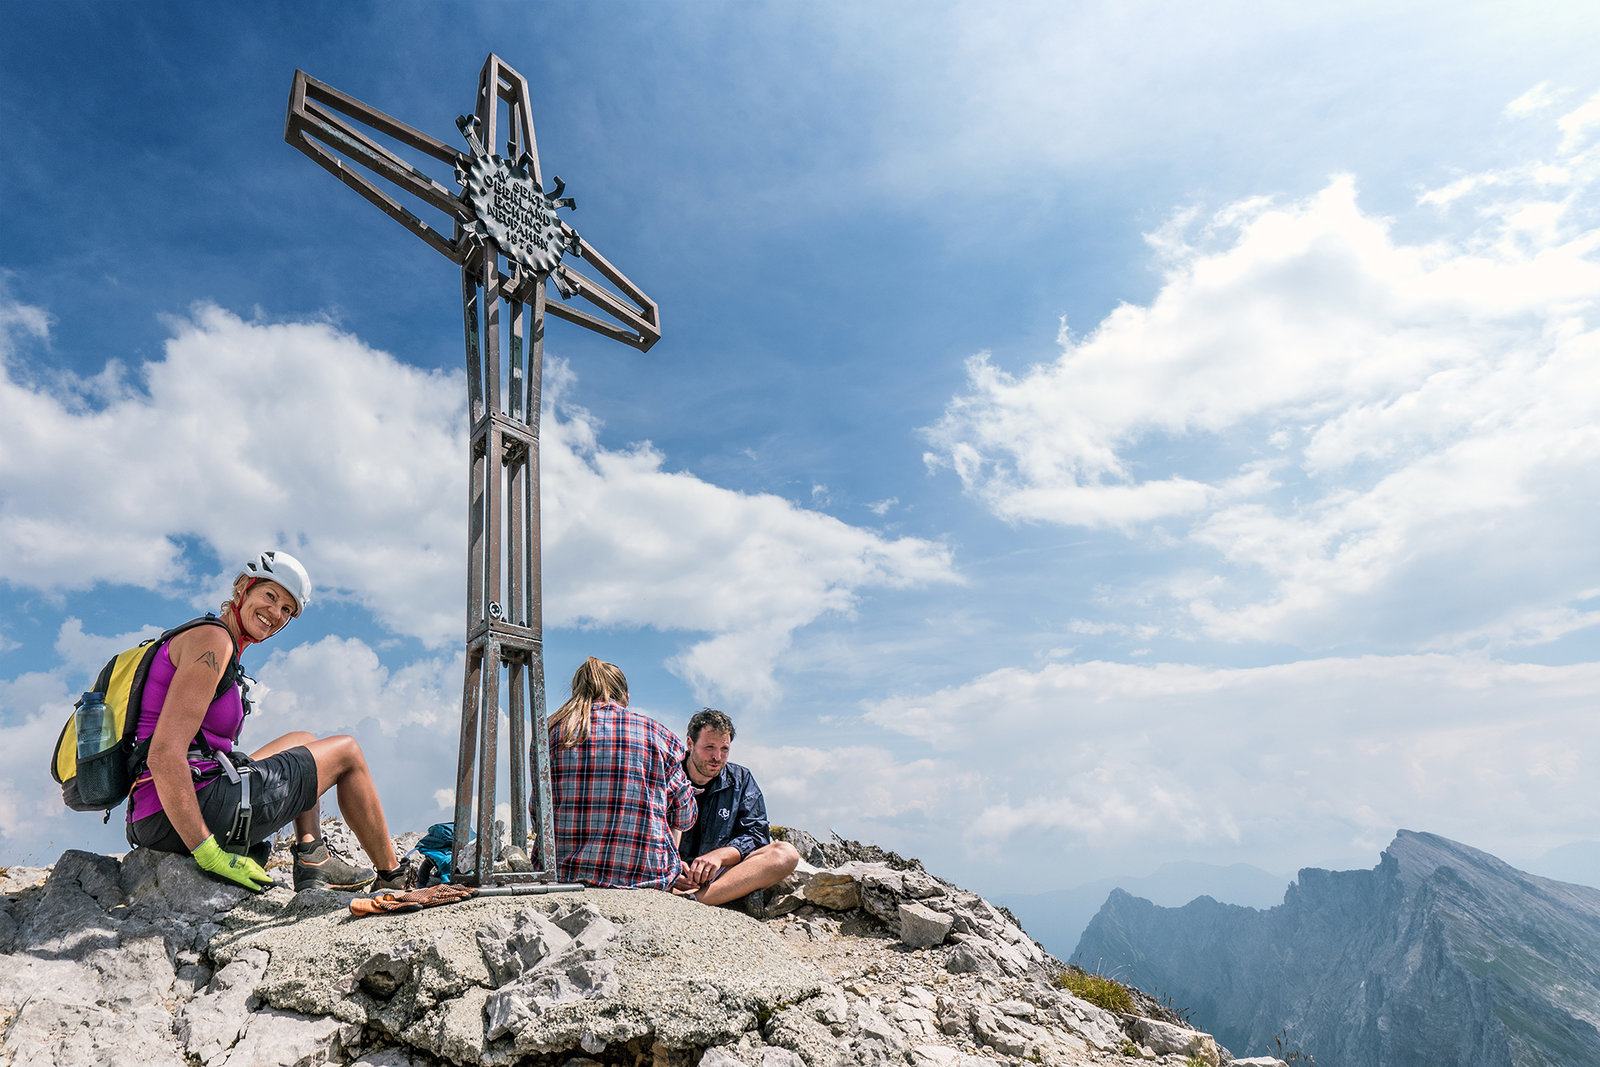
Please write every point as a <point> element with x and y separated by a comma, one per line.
<point>502,212</point>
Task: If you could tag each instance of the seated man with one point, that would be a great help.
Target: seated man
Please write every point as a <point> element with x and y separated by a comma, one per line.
<point>729,851</point>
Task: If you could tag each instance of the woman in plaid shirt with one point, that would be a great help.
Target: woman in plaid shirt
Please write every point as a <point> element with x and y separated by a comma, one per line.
<point>618,787</point>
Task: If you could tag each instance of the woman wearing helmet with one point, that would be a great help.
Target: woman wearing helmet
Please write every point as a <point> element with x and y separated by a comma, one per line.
<point>197,795</point>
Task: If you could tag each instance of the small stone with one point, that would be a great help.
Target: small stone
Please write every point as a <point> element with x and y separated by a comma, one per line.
<point>777,1057</point>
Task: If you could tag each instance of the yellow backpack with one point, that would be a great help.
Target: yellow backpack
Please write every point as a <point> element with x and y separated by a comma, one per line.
<point>101,782</point>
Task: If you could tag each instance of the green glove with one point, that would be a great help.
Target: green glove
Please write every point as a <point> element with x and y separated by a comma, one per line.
<point>241,869</point>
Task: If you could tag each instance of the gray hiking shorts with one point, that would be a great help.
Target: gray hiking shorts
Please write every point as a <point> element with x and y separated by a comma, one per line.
<point>281,787</point>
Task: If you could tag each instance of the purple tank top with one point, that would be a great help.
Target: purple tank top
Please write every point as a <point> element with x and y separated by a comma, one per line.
<point>219,727</point>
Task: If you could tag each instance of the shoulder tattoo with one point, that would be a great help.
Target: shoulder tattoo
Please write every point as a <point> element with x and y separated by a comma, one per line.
<point>209,658</point>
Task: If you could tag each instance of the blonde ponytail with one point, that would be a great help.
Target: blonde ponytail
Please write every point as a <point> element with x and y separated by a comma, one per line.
<point>595,682</point>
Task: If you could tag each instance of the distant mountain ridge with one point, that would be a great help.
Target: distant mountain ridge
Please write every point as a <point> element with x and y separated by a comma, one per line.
<point>1441,954</point>
<point>1057,918</point>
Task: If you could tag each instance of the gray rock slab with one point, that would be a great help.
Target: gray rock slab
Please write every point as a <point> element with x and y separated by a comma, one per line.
<point>833,890</point>
<point>285,1039</point>
<point>922,927</point>
<point>1169,1039</point>
<point>211,1023</point>
<point>685,974</point>
<point>87,998</point>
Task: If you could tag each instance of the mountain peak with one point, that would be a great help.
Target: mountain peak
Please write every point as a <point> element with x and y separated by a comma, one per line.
<point>1441,953</point>
<point>1420,855</point>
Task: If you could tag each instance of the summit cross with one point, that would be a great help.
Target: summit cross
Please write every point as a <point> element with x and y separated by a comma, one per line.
<point>503,212</point>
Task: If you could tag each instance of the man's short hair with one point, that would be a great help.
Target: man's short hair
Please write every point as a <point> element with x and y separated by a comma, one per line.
<point>713,718</point>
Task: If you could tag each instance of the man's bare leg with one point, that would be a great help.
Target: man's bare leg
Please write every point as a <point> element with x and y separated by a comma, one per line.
<point>766,866</point>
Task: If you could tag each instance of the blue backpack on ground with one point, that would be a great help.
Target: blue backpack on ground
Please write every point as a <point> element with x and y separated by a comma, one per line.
<point>435,848</point>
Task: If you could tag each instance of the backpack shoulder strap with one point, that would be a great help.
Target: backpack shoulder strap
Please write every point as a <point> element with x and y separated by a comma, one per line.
<point>230,675</point>
<point>140,750</point>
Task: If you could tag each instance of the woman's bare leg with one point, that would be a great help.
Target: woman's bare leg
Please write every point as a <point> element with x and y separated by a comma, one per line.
<point>342,766</point>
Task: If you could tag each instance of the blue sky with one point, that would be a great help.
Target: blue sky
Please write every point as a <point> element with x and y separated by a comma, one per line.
<point>1083,436</point>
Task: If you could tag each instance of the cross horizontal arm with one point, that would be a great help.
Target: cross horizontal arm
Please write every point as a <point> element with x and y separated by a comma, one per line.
<point>307,120</point>
<point>326,127</point>
<point>592,256</point>
<point>641,327</point>
<point>377,197</point>
<point>307,87</point>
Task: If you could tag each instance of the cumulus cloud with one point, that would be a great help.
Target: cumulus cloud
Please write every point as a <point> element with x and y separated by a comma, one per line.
<point>299,435</point>
<point>630,543</point>
<point>340,685</point>
<point>32,816</point>
<point>245,434</point>
<point>1332,409</point>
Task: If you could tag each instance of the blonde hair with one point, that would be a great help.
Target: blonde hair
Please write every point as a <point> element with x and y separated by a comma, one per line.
<point>595,682</point>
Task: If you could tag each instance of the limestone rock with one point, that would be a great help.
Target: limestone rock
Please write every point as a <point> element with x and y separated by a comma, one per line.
<point>1169,1039</point>
<point>559,960</point>
<point>833,890</point>
<point>211,1023</point>
<point>922,927</point>
<point>284,1039</point>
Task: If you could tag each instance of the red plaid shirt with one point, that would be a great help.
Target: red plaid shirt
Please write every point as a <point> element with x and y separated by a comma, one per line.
<point>617,797</point>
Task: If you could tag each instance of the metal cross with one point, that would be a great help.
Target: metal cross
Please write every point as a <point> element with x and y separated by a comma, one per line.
<point>502,211</point>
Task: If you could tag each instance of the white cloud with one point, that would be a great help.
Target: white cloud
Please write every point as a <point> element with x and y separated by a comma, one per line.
<point>632,544</point>
<point>339,685</point>
<point>35,706</point>
<point>244,435</point>
<point>1033,95</point>
<point>1329,408</point>
<point>298,435</point>
<point>1540,97</point>
<point>1089,758</point>
<point>848,785</point>
<point>19,319</point>
<point>1578,125</point>
<point>84,654</point>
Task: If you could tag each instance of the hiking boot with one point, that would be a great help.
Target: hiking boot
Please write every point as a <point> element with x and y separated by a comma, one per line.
<point>755,903</point>
<point>315,867</point>
<point>398,884</point>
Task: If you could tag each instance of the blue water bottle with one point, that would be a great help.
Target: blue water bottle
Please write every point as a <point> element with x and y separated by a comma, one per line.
<point>102,778</point>
<point>94,725</point>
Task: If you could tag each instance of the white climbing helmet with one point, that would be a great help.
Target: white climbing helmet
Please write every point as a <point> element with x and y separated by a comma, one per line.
<point>284,569</point>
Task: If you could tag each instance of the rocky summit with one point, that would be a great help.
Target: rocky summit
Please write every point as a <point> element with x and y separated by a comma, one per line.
<point>860,957</point>
<point>1441,954</point>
